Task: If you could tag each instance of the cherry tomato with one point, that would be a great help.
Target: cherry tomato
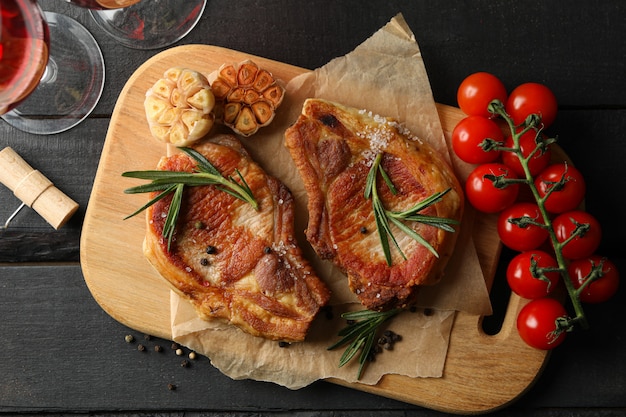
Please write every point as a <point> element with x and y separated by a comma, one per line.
<point>583,245</point>
<point>565,198</point>
<point>532,98</point>
<point>528,144</point>
<point>537,323</point>
<point>519,236</point>
<point>477,91</point>
<point>525,279</point>
<point>483,194</point>
<point>602,288</point>
<point>469,133</point>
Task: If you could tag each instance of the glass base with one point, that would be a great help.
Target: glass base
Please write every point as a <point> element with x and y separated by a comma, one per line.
<point>150,24</point>
<point>71,86</point>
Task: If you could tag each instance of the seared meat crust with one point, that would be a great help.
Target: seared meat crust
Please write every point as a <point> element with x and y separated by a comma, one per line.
<point>231,261</point>
<point>333,148</point>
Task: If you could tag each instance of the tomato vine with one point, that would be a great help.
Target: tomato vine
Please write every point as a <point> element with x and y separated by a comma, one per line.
<point>557,190</point>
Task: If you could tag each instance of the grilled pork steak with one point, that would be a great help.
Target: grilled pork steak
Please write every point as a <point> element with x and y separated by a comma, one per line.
<point>333,148</point>
<point>231,261</point>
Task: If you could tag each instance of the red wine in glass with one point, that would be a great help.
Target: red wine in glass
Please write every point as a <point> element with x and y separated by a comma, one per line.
<point>24,49</point>
<point>103,4</point>
<point>145,24</point>
<point>51,69</point>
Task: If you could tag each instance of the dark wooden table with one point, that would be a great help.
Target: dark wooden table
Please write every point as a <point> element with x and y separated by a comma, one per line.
<point>60,353</point>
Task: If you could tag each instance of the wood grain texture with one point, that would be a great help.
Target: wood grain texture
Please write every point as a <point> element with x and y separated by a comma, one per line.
<point>111,253</point>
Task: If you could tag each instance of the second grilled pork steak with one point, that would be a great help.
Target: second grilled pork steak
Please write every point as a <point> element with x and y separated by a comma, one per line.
<point>334,147</point>
<point>233,262</point>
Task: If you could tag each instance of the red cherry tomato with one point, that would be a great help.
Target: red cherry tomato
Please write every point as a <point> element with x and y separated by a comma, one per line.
<point>532,98</point>
<point>469,133</point>
<point>524,276</point>
<point>600,289</point>
<point>537,323</point>
<point>518,235</point>
<point>565,198</point>
<point>478,90</point>
<point>583,245</point>
<point>483,194</point>
<point>528,144</point>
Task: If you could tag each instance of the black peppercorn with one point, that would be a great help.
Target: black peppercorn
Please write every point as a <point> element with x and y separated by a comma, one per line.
<point>363,230</point>
<point>267,250</point>
<point>204,262</point>
<point>211,250</point>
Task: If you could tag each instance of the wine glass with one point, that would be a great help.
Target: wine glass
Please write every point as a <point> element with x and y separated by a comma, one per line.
<point>145,24</point>
<point>51,69</point>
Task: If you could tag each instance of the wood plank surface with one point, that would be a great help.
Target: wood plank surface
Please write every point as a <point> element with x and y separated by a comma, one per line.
<point>129,290</point>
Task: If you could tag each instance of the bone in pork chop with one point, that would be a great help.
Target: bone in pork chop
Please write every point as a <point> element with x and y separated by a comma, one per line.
<point>334,147</point>
<point>233,262</point>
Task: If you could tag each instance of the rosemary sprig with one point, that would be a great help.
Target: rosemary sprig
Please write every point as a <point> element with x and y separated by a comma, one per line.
<point>360,334</point>
<point>169,182</point>
<point>384,217</point>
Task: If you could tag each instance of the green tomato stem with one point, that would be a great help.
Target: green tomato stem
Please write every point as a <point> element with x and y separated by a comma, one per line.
<point>580,318</point>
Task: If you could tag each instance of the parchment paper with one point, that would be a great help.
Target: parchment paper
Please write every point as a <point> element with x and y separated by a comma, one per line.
<point>385,75</point>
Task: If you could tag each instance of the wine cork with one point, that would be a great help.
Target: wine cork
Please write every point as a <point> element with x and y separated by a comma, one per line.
<point>34,189</point>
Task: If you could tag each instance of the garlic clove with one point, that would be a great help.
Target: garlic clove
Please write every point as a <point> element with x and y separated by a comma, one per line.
<point>180,107</point>
<point>247,96</point>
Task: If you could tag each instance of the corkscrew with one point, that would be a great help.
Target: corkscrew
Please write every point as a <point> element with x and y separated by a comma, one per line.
<point>34,190</point>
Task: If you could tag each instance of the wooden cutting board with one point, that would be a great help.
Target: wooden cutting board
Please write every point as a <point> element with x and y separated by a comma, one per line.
<point>482,372</point>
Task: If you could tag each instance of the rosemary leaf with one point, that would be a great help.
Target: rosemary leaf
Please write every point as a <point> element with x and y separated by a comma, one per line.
<point>154,174</point>
<point>383,217</point>
<point>158,197</point>
<point>388,181</point>
<point>360,334</point>
<point>172,215</point>
<point>203,164</point>
<point>382,228</point>
<point>425,203</point>
<point>350,352</point>
<point>366,351</point>
<point>148,188</point>
<point>174,182</point>
<point>370,181</point>
<point>413,234</point>
<point>435,221</point>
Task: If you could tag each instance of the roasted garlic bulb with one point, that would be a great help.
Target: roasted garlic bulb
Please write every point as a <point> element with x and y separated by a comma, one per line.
<point>247,96</point>
<point>179,107</point>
